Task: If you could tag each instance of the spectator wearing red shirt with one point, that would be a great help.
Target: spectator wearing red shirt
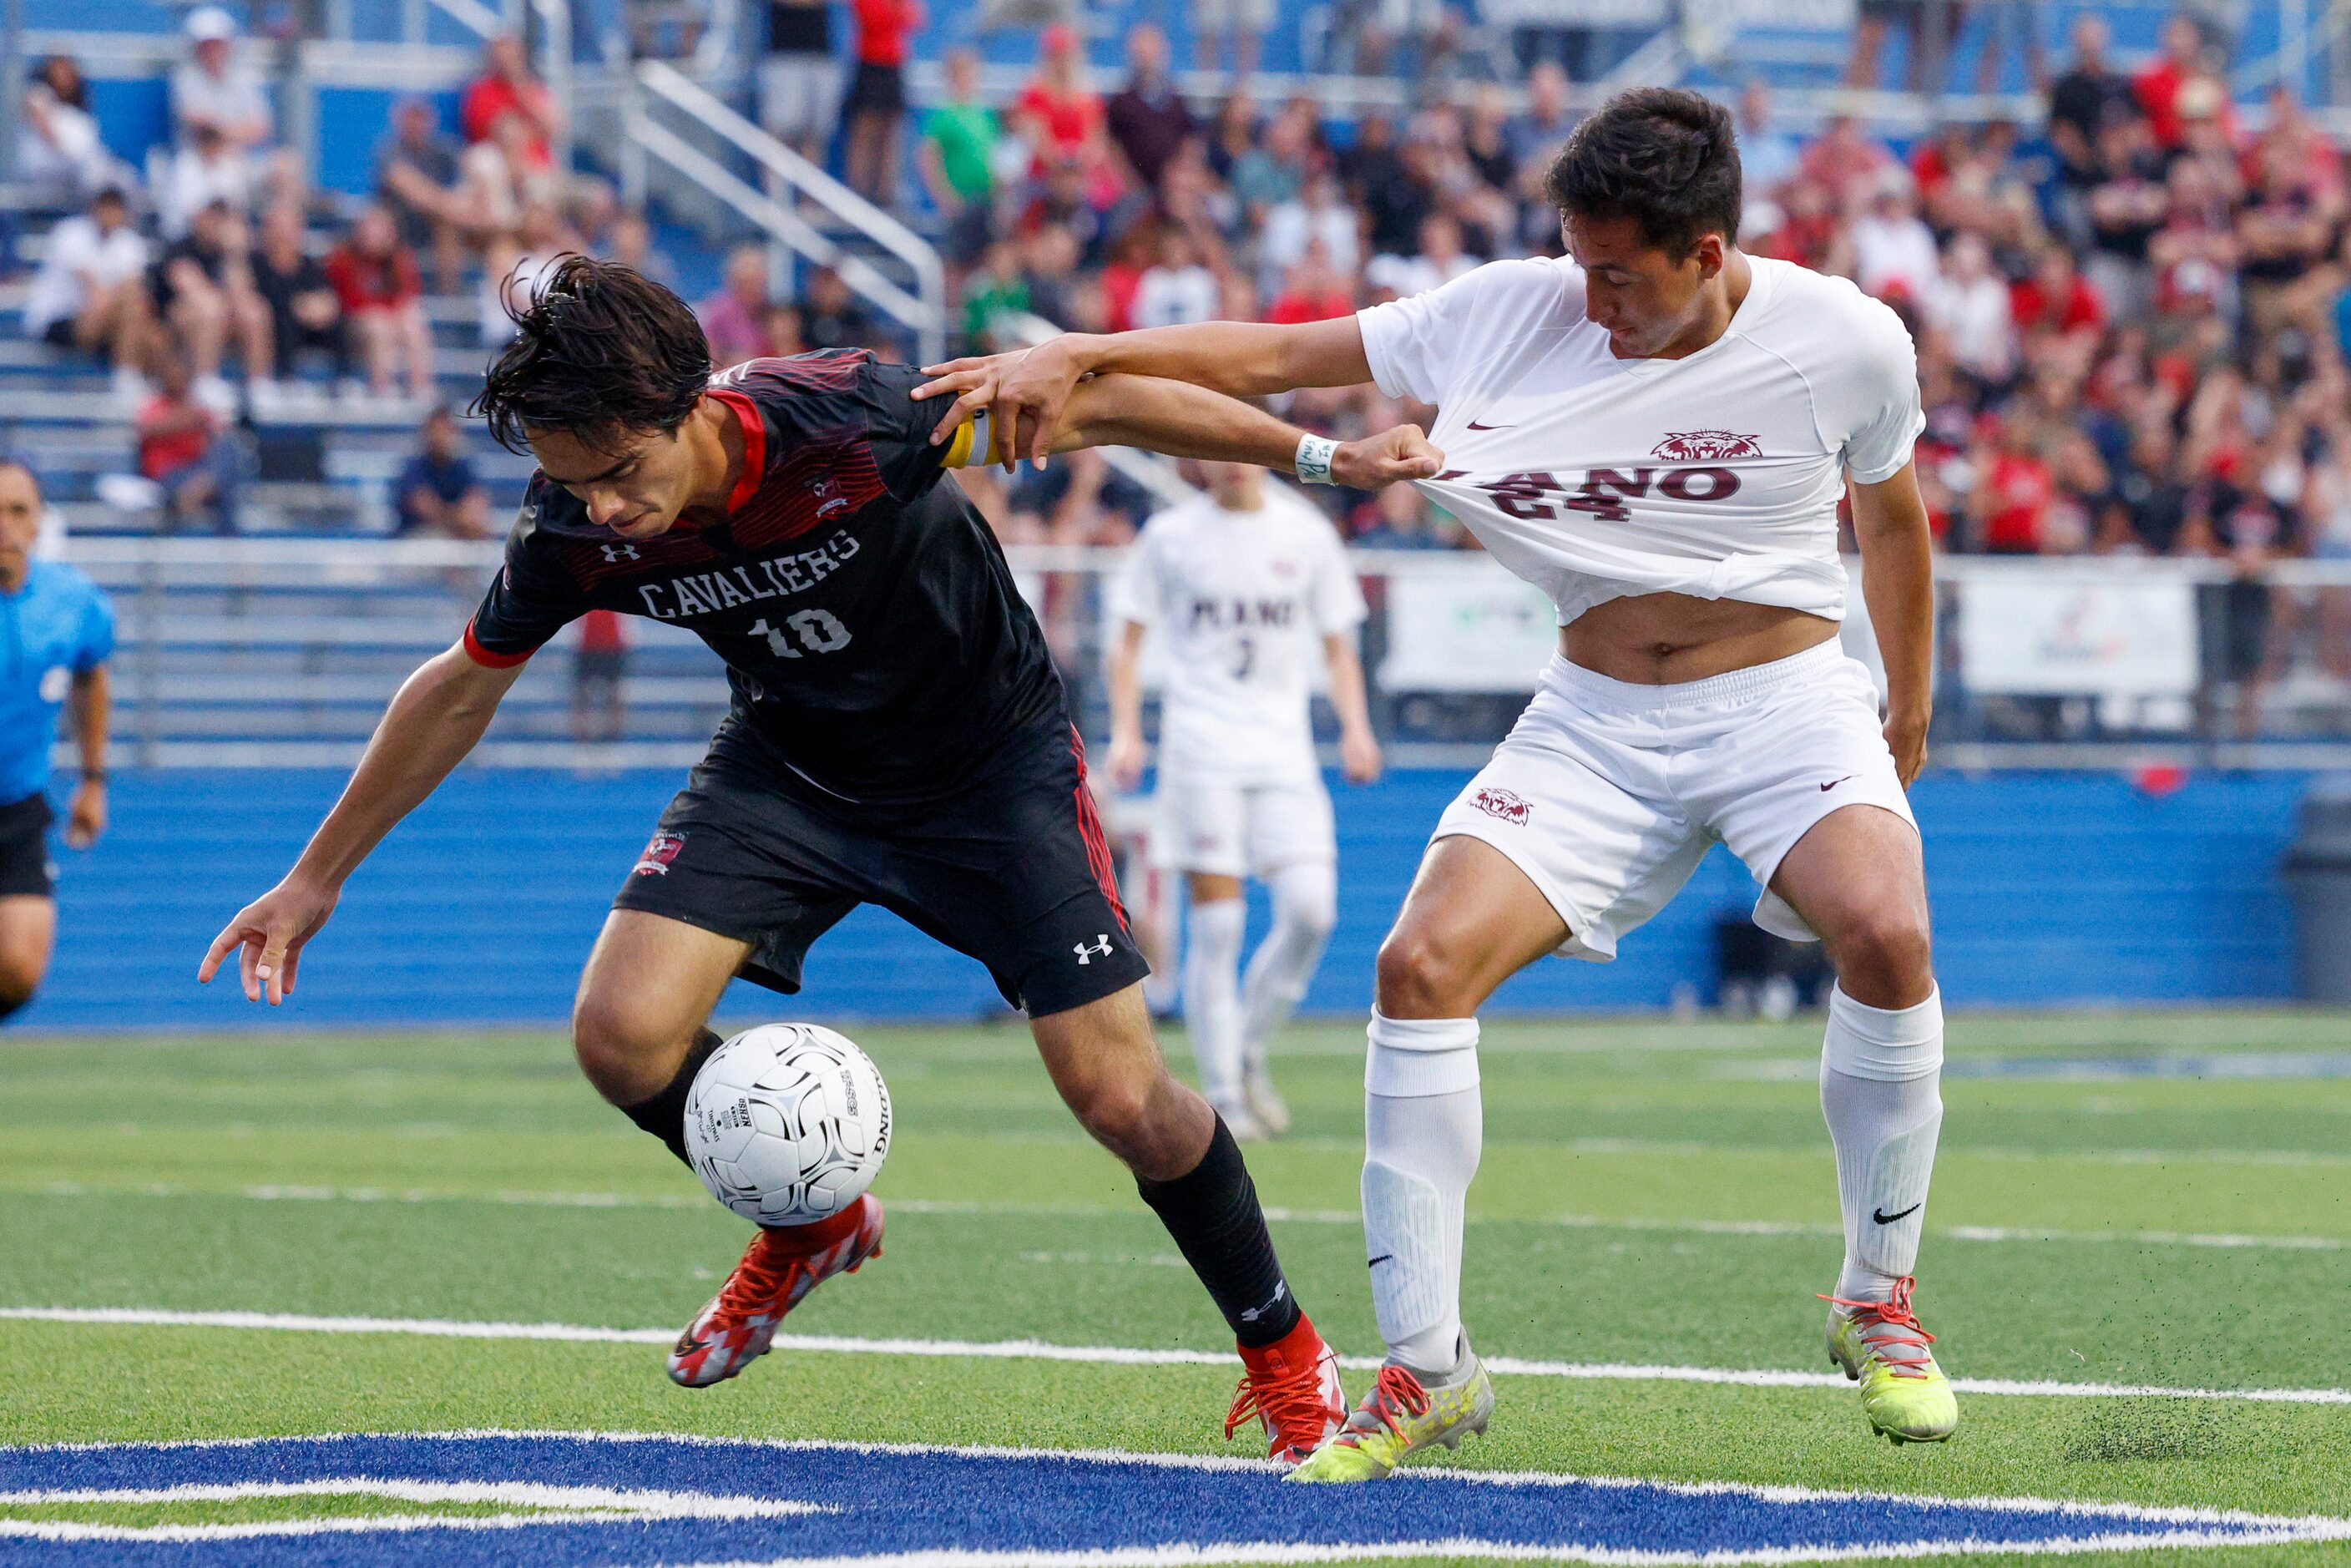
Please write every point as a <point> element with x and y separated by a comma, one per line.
<point>2177,72</point>
<point>1845,162</point>
<point>1060,118</point>
<point>2056,297</point>
<point>180,449</point>
<point>506,84</point>
<point>2015,488</point>
<point>875,112</point>
<point>1312,290</point>
<point>378,283</point>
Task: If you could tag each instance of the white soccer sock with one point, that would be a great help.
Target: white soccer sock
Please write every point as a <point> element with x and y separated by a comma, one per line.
<point>1424,1123</point>
<point>1212,998</point>
<point>1881,1073</point>
<point>1305,907</point>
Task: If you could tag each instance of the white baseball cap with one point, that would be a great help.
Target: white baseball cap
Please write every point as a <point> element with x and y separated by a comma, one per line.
<point>210,24</point>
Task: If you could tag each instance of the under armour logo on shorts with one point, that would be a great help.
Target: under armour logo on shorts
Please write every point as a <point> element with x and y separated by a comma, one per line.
<point>620,553</point>
<point>1099,948</point>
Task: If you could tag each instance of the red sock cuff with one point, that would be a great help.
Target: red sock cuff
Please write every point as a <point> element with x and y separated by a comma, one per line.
<point>1298,1349</point>
<point>819,1234</point>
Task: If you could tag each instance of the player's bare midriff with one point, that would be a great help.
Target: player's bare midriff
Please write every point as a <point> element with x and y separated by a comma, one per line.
<point>1663,639</point>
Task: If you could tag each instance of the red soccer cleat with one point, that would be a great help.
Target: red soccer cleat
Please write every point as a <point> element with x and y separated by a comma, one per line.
<point>778,1268</point>
<point>1292,1388</point>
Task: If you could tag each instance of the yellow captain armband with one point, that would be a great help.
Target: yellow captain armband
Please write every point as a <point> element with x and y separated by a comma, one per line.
<point>974,442</point>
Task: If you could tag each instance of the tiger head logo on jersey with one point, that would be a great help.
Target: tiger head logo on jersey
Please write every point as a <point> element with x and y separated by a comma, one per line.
<point>1706,446</point>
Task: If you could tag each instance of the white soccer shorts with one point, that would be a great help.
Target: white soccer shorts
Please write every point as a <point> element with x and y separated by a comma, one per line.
<point>1234,830</point>
<point>1608,794</point>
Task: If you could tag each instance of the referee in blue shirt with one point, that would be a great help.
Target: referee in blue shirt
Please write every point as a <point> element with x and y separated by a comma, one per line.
<point>56,629</point>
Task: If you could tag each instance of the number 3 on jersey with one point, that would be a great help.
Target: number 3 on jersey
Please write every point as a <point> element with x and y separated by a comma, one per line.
<point>818,631</point>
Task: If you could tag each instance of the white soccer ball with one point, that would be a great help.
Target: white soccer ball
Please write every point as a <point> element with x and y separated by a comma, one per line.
<point>787,1124</point>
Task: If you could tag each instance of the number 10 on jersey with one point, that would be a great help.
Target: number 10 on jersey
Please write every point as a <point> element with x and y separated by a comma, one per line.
<point>818,630</point>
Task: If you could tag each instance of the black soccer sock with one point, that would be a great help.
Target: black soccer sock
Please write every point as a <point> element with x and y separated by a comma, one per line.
<point>664,1115</point>
<point>1213,1213</point>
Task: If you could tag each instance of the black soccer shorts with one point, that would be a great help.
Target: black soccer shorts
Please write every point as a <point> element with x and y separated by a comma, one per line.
<point>1014,870</point>
<point>25,868</point>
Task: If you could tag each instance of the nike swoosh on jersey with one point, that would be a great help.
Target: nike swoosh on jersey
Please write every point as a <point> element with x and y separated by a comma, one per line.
<point>1475,425</point>
<point>1834,783</point>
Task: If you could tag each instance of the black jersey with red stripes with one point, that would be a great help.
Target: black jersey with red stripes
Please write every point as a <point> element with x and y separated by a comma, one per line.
<point>872,635</point>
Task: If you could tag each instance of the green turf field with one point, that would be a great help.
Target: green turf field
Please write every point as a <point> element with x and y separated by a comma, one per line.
<point>1655,1194</point>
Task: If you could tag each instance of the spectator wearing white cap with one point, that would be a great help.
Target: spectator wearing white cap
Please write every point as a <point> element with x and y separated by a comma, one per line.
<point>214,87</point>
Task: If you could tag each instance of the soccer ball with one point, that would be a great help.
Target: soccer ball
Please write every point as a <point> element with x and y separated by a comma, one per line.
<point>787,1124</point>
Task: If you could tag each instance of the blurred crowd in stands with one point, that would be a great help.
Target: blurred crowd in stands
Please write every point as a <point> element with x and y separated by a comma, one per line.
<point>2131,315</point>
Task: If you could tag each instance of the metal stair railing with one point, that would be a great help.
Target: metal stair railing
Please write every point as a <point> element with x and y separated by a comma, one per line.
<point>924,308</point>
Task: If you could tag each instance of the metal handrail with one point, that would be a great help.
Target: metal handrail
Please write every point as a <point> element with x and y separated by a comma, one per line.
<point>784,224</point>
<point>926,311</point>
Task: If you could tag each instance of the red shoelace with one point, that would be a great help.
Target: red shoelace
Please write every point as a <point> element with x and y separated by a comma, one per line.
<point>1396,1389</point>
<point>1292,1405</point>
<point>759,1281</point>
<point>1894,1314</point>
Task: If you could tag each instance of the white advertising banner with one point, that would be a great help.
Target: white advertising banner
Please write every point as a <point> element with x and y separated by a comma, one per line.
<point>2048,633</point>
<point>1464,625</point>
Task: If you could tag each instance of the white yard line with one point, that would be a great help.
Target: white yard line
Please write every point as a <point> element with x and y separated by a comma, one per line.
<point>1119,1356</point>
<point>279,1193</point>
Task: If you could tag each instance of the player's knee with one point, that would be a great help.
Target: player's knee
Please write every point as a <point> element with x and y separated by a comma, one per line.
<point>619,1048</point>
<point>1420,975</point>
<point>1119,1115</point>
<point>1309,920</point>
<point>1885,957</point>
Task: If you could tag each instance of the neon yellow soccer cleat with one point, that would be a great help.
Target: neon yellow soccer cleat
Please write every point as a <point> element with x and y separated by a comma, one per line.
<point>1881,1345</point>
<point>1399,1417</point>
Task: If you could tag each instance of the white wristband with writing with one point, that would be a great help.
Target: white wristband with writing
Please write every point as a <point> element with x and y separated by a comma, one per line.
<point>1313,461</point>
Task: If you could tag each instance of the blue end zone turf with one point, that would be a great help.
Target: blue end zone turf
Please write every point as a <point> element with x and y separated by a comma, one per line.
<point>1016,1507</point>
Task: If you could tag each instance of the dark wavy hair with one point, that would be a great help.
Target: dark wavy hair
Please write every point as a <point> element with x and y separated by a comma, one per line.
<point>600,352</point>
<point>1665,157</point>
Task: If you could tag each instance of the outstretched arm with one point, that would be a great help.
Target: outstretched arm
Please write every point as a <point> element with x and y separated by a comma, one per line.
<point>1186,420</point>
<point>438,715</point>
<point>1897,579</point>
<point>1028,393</point>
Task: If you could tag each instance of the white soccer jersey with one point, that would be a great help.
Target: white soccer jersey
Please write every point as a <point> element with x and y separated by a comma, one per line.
<point>1242,601</point>
<point>1595,478</point>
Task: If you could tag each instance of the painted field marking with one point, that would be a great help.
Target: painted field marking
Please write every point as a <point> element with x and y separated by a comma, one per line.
<point>551,1505</point>
<point>1116,1355</point>
<point>279,1193</point>
<point>905,1505</point>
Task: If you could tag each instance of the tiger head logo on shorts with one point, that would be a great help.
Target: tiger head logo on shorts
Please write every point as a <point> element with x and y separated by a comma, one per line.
<point>1512,808</point>
<point>1706,446</point>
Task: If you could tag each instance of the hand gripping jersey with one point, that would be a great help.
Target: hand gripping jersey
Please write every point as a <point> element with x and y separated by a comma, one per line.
<point>1242,601</point>
<point>873,639</point>
<point>1716,475</point>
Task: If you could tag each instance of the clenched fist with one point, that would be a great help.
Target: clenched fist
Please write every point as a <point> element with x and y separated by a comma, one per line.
<point>1391,456</point>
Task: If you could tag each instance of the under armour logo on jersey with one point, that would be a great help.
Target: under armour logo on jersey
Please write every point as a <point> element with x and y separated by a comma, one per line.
<point>1099,948</point>
<point>620,553</point>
